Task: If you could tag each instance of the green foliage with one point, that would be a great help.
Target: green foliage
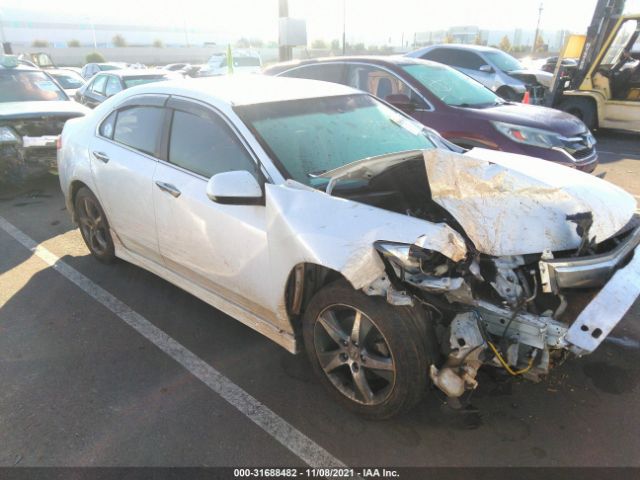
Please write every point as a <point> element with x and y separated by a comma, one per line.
<point>157,43</point>
<point>319,44</point>
<point>505,44</point>
<point>73,43</point>
<point>40,43</point>
<point>95,57</point>
<point>119,41</point>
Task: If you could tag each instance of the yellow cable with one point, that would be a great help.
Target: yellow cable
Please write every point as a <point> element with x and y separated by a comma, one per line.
<point>506,365</point>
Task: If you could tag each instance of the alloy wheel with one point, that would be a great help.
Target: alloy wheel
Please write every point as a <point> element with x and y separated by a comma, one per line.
<point>354,354</point>
<point>93,226</point>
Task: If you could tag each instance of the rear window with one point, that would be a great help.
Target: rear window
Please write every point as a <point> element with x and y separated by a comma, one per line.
<point>68,80</point>
<point>135,81</point>
<point>28,86</point>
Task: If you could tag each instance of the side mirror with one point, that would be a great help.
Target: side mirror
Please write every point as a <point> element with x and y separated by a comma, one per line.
<point>234,188</point>
<point>486,69</point>
<point>402,102</point>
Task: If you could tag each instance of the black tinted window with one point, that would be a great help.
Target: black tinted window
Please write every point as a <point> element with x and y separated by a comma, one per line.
<point>455,58</point>
<point>206,145</point>
<point>140,128</point>
<point>328,72</point>
<point>106,128</point>
<point>113,86</point>
<point>98,84</point>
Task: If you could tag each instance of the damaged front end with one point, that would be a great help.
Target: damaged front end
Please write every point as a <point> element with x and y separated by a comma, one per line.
<point>548,270</point>
<point>518,313</point>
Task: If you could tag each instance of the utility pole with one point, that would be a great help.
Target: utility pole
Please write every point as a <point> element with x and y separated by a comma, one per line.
<point>535,38</point>
<point>285,52</point>
<point>344,27</point>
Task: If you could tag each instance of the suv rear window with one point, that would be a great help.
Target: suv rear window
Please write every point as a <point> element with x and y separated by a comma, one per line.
<point>28,86</point>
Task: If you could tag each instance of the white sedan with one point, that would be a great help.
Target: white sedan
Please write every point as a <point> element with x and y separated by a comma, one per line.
<point>324,218</point>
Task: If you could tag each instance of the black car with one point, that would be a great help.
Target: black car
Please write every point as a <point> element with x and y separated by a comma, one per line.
<point>33,110</point>
<point>107,84</point>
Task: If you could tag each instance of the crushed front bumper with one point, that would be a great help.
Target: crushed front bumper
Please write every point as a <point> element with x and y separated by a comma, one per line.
<point>606,310</point>
<point>585,272</point>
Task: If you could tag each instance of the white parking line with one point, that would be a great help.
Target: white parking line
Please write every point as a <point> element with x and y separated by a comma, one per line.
<point>291,438</point>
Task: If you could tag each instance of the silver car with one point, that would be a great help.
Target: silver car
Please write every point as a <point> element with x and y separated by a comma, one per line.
<point>329,221</point>
<point>492,67</point>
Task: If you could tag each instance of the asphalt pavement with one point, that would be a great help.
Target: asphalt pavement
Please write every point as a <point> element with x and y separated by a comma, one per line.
<point>108,365</point>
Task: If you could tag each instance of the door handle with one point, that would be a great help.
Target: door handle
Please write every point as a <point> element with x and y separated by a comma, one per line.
<point>167,187</point>
<point>103,157</point>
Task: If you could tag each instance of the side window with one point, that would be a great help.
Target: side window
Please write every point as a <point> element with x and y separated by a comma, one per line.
<point>328,72</point>
<point>106,128</point>
<point>140,128</point>
<point>440,55</point>
<point>98,84</point>
<point>455,57</point>
<point>113,86</point>
<point>379,82</point>
<point>206,145</point>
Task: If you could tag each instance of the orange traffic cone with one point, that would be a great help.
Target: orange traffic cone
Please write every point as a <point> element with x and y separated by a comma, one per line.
<point>525,98</point>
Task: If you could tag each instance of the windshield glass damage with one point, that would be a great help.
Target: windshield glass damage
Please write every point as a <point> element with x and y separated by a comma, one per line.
<point>308,137</point>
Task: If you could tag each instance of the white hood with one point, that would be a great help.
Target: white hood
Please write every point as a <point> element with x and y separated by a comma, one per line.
<point>512,204</point>
<point>544,78</point>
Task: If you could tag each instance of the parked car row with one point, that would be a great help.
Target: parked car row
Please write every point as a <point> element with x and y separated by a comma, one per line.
<point>394,258</point>
<point>461,109</point>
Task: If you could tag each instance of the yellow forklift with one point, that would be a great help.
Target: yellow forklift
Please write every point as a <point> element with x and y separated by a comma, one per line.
<point>603,89</point>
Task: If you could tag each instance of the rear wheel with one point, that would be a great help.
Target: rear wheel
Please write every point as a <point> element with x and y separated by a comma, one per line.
<point>370,355</point>
<point>583,108</point>
<point>94,226</point>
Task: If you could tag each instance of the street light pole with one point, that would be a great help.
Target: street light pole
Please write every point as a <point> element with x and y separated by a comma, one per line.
<point>535,38</point>
<point>3,39</point>
<point>93,32</point>
<point>344,27</point>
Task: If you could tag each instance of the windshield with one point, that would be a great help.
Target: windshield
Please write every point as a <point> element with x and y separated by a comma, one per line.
<point>22,86</point>
<point>312,136</point>
<point>504,61</point>
<point>451,86</point>
<point>68,80</point>
<point>135,81</point>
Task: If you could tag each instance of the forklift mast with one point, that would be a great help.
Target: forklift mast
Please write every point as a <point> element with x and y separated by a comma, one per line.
<point>604,18</point>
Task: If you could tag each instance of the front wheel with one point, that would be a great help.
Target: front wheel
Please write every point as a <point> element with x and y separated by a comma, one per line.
<point>370,355</point>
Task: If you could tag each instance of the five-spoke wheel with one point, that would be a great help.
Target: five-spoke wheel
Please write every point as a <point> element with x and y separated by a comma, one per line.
<point>93,225</point>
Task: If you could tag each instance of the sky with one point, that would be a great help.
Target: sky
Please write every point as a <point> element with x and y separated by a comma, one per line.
<point>370,21</point>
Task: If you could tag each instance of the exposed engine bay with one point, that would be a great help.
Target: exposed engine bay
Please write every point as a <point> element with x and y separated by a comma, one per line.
<point>521,312</point>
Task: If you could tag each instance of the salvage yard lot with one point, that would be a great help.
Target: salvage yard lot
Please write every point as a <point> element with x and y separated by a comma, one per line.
<point>82,387</point>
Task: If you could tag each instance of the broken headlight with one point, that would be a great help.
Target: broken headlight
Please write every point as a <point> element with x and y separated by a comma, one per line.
<point>7,135</point>
<point>398,253</point>
<point>528,135</point>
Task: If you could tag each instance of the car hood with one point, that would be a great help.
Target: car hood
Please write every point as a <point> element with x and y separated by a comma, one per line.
<point>544,78</point>
<point>23,110</point>
<point>535,116</point>
<point>510,204</point>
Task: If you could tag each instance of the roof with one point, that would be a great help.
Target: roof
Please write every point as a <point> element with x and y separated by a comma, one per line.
<point>457,46</point>
<point>375,59</point>
<point>135,72</point>
<point>247,89</point>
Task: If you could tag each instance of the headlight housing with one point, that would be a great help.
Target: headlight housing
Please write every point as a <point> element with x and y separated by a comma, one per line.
<point>7,135</point>
<point>398,254</point>
<point>529,135</point>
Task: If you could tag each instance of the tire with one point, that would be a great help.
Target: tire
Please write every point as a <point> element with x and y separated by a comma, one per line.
<point>94,226</point>
<point>393,338</point>
<point>509,94</point>
<point>583,108</point>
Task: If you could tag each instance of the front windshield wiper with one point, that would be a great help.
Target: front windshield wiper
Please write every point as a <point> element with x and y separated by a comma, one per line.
<point>316,174</point>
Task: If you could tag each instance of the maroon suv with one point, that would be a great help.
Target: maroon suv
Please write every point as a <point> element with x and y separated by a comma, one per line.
<point>460,108</point>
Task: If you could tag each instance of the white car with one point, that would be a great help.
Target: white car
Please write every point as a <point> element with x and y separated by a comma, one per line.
<point>243,62</point>
<point>321,217</point>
